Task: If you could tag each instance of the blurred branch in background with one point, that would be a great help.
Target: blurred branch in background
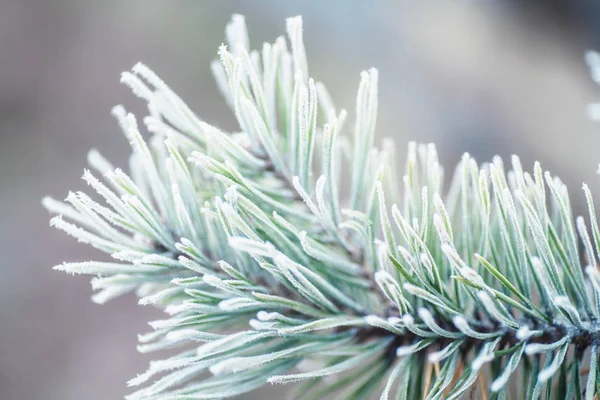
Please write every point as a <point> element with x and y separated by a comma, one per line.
<point>489,77</point>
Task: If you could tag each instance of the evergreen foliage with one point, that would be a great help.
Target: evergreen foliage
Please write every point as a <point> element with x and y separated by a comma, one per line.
<point>404,287</point>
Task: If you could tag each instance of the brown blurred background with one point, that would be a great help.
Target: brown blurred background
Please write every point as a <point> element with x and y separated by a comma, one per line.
<point>488,77</point>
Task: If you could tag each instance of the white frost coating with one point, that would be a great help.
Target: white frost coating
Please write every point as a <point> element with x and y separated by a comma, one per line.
<point>382,276</point>
<point>438,356</point>
<point>565,303</point>
<point>441,229</point>
<point>237,34</point>
<point>137,86</point>
<point>157,297</point>
<point>182,334</point>
<point>266,316</point>
<point>260,325</point>
<point>98,162</point>
<point>461,323</point>
<point>536,348</point>
<point>499,383</point>
<point>211,280</point>
<point>374,320</point>
<point>252,246</point>
<point>524,333</point>
<point>403,351</point>
<point>482,359</point>
<point>294,31</point>
<point>238,303</point>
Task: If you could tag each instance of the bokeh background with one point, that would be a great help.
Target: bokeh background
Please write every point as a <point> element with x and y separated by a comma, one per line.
<point>487,77</point>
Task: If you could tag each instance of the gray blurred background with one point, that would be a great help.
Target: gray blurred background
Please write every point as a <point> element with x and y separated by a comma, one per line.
<point>488,77</point>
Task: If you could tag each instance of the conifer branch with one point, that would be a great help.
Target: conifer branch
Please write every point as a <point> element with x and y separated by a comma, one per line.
<point>267,275</point>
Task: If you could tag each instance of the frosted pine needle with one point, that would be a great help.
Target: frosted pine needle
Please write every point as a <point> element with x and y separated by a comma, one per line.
<point>267,275</point>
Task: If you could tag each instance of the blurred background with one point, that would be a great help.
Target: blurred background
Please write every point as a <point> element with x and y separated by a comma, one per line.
<point>487,77</point>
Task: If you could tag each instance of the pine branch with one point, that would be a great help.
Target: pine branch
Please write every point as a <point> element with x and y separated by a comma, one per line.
<point>265,277</point>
